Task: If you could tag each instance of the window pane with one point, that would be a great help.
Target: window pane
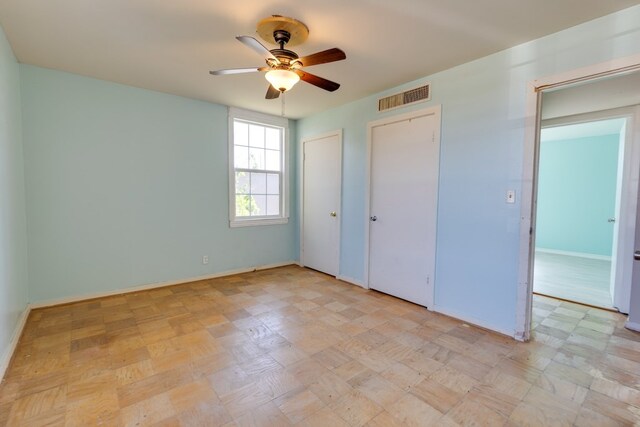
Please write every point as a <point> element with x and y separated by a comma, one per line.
<point>257,167</point>
<point>240,133</point>
<point>273,160</point>
<point>258,205</point>
<point>256,136</point>
<point>273,205</point>
<point>243,205</point>
<point>273,183</point>
<point>256,158</point>
<point>273,138</point>
<point>258,183</point>
<point>242,183</point>
<point>241,157</point>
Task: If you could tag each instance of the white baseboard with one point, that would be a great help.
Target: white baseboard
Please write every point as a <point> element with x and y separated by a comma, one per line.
<point>352,281</point>
<point>67,300</point>
<point>473,321</point>
<point>13,343</point>
<point>632,326</point>
<point>575,254</point>
<point>520,336</point>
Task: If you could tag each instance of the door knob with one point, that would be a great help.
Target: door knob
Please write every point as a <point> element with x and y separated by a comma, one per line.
<point>636,255</point>
<point>373,218</point>
<point>333,214</point>
<point>611,220</point>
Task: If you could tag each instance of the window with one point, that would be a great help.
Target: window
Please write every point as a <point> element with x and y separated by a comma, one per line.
<point>257,169</point>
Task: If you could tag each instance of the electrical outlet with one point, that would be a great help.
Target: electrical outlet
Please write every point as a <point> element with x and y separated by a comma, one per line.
<point>205,259</point>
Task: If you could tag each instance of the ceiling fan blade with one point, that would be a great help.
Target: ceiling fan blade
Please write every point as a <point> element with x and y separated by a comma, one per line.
<point>317,81</point>
<point>238,71</point>
<point>329,55</point>
<point>272,93</point>
<point>257,46</point>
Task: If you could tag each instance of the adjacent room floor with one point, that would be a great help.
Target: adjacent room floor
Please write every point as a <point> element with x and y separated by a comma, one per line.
<point>579,279</point>
<point>291,346</point>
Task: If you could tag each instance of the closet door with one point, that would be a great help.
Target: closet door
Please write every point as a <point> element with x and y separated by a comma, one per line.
<point>403,206</point>
<point>321,203</point>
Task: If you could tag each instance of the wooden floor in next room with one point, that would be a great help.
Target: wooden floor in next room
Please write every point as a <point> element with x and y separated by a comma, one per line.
<point>291,346</point>
<point>573,278</point>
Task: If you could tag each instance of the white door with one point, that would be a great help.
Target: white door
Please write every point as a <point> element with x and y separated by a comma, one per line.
<point>321,203</point>
<point>633,321</point>
<point>403,202</point>
<point>622,264</point>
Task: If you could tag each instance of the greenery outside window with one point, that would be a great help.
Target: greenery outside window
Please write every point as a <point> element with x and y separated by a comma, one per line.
<point>257,169</point>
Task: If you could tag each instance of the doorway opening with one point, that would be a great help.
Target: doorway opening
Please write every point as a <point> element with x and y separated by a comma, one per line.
<point>598,92</point>
<point>578,202</point>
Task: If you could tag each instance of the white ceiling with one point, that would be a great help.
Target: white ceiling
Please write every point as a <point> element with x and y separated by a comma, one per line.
<point>170,45</point>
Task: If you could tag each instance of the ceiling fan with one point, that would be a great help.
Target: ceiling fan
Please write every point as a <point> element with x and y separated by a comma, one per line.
<point>283,66</point>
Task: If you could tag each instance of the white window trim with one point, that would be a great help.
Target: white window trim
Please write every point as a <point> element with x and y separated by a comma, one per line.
<point>259,118</point>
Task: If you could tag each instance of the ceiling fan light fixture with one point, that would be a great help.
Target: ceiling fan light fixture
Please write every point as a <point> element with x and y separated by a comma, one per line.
<point>283,80</point>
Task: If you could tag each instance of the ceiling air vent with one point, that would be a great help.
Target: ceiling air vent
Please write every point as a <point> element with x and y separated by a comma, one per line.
<point>411,96</point>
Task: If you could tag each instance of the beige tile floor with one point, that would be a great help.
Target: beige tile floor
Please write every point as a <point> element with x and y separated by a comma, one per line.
<point>291,346</point>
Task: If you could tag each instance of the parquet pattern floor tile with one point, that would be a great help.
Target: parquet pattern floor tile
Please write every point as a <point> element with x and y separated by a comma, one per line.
<point>291,346</point>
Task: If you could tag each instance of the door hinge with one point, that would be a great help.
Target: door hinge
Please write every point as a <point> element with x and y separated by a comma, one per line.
<point>433,136</point>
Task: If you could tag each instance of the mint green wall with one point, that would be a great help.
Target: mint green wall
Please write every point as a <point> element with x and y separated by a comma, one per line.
<point>577,194</point>
<point>483,119</point>
<point>128,187</point>
<point>13,229</point>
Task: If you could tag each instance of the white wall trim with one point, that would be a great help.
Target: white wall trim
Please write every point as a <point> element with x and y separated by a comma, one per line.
<point>574,254</point>
<point>352,281</point>
<point>475,322</point>
<point>67,300</point>
<point>530,153</point>
<point>301,158</point>
<point>13,343</point>
<point>632,326</point>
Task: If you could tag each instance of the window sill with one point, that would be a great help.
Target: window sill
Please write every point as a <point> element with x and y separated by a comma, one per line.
<point>256,222</point>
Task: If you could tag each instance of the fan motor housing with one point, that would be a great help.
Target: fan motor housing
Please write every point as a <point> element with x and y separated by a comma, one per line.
<point>284,55</point>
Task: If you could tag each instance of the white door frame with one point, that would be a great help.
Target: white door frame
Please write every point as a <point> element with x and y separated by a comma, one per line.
<point>431,111</point>
<point>531,144</point>
<point>337,133</point>
<point>626,196</point>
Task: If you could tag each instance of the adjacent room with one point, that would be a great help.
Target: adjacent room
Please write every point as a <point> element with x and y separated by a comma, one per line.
<point>577,188</point>
<point>319,213</point>
<point>585,205</point>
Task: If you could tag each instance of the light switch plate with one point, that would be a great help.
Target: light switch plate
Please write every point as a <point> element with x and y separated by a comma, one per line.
<point>511,196</point>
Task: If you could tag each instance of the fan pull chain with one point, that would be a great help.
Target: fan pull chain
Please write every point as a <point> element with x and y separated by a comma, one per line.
<point>282,103</point>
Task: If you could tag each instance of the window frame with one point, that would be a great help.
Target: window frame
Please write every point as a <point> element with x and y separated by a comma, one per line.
<point>264,120</point>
